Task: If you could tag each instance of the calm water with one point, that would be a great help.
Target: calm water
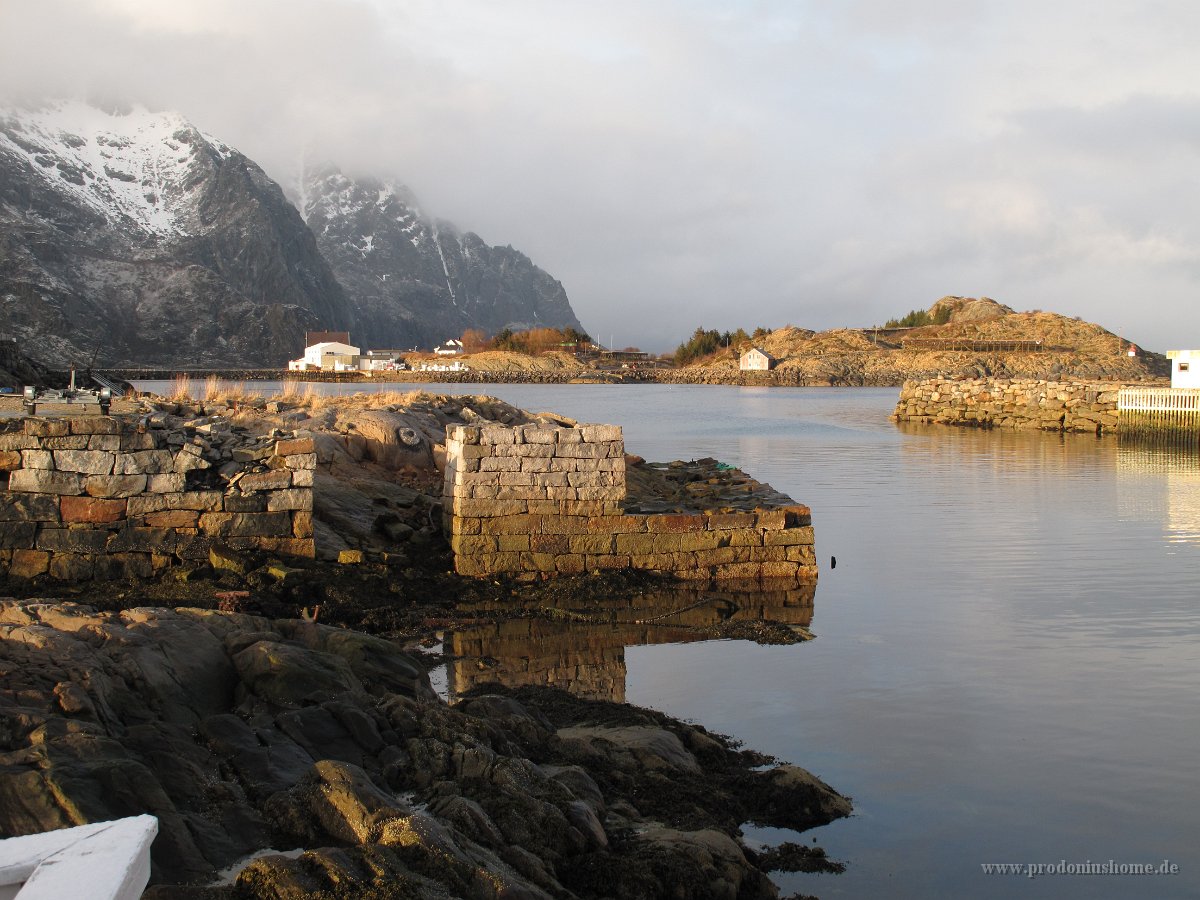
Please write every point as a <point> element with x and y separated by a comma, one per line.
<point>1008,652</point>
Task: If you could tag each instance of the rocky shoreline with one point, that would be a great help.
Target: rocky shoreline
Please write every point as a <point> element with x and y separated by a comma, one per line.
<point>256,707</point>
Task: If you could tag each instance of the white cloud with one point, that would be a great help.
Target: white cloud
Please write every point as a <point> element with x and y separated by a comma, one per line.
<point>679,163</point>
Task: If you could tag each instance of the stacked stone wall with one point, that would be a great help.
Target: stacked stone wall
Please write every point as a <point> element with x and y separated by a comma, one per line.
<point>1082,406</point>
<point>540,499</point>
<point>100,496</point>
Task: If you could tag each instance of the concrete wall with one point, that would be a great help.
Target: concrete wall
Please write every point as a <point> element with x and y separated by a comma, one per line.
<point>102,496</point>
<point>539,499</point>
<point>1085,406</point>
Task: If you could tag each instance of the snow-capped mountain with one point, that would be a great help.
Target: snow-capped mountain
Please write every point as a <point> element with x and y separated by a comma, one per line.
<point>415,280</point>
<point>132,237</point>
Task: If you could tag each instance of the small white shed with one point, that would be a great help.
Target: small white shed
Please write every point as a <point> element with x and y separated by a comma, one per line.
<point>1185,368</point>
<point>756,360</point>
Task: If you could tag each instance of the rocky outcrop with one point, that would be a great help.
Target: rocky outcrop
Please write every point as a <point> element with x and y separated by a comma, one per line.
<point>415,280</point>
<point>241,733</point>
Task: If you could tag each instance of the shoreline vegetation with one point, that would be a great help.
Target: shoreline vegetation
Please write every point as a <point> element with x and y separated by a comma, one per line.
<point>255,704</point>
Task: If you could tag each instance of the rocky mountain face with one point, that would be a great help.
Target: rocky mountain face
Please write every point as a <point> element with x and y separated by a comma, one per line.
<point>416,281</point>
<point>134,238</point>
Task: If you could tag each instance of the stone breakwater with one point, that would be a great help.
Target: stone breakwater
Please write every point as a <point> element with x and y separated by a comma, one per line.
<point>104,496</point>
<point>1083,406</point>
<point>542,499</point>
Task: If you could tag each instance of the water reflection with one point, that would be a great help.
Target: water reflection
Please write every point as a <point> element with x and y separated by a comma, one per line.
<point>1176,470</point>
<point>581,648</point>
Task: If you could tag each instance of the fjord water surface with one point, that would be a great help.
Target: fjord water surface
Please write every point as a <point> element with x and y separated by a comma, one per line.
<point>1008,651</point>
<point>1007,654</point>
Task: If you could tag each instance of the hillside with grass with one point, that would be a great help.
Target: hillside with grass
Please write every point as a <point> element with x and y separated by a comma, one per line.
<point>963,337</point>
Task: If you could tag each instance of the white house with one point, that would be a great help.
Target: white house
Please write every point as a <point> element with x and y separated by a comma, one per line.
<point>1185,368</point>
<point>449,348</point>
<point>327,356</point>
<point>756,360</point>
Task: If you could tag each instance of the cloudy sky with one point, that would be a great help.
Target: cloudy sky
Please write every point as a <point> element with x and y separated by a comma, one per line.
<point>679,163</point>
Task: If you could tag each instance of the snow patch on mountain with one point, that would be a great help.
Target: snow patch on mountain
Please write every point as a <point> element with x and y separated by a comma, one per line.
<point>135,168</point>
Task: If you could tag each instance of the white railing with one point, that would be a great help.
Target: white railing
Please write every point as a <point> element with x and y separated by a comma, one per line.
<point>101,861</point>
<point>1166,411</point>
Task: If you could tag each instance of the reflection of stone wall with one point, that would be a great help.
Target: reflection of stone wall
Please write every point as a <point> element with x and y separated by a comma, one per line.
<point>586,654</point>
<point>547,499</point>
<point>101,496</point>
<point>1089,406</point>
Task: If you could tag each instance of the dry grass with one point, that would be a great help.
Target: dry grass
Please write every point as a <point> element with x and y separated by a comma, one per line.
<point>182,390</point>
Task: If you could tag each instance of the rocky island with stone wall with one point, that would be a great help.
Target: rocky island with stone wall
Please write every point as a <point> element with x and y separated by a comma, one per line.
<point>256,700</point>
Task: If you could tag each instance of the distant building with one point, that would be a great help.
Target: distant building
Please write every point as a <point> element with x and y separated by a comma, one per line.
<point>1185,368</point>
<point>450,348</point>
<point>382,361</point>
<point>756,360</point>
<point>327,356</point>
<point>325,337</point>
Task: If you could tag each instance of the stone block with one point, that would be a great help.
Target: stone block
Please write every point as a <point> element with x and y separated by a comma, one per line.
<point>513,543</point>
<point>43,428</point>
<point>72,567</point>
<point>702,540</point>
<point>463,434</point>
<point>617,524</point>
<point>301,461</point>
<point>291,499</point>
<point>607,561</point>
<point>95,425</point>
<point>109,486</point>
<point>138,440</point>
<point>597,434</point>
<point>245,502</point>
<point>110,443</point>
<point>294,447</point>
<point>780,570</point>
<point>549,543</point>
<point>582,451</point>
<point>502,463</point>
<point>18,535</point>
<point>268,524</point>
<point>10,459</point>
<point>71,442</point>
<point>192,547</point>
<point>797,515</point>
<point>746,537</point>
<point>570,435</point>
<point>595,544</point>
<point>302,524</point>
<point>536,434</point>
<point>165,484</point>
<point>186,461</point>
<point>537,562</point>
<point>72,540</point>
<point>473,544</point>
<point>564,525</point>
<point>675,523</point>
<point>127,565</point>
<point>570,564</point>
<point>18,441</point>
<point>751,571</point>
<point>274,480</point>
<point>302,478</point>
<point>496,435</point>
<point>788,537</point>
<point>18,507</point>
<point>461,506</point>
<point>727,521</point>
<point>29,563</point>
<point>92,510</point>
<point>44,481</point>
<point>772,519</point>
<point>36,459</point>
<point>145,462</point>
<point>172,518</point>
